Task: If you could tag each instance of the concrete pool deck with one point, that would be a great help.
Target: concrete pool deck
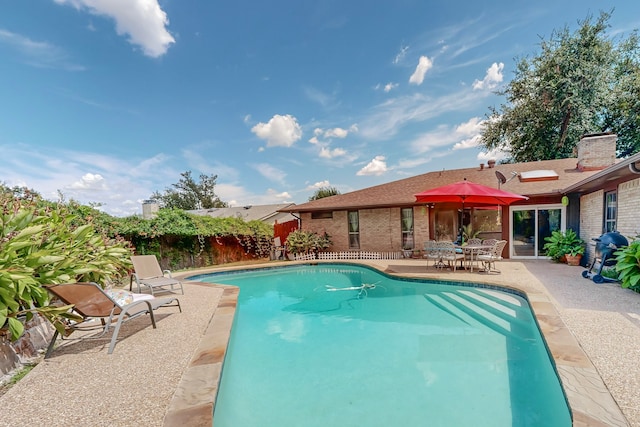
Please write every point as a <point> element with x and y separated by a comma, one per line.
<point>169,376</point>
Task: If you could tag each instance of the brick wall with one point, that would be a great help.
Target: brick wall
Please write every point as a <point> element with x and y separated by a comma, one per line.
<point>337,228</point>
<point>380,229</point>
<point>591,211</point>
<point>421,225</point>
<point>628,221</point>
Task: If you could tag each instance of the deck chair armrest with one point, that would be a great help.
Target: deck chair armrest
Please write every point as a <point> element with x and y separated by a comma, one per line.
<point>166,273</point>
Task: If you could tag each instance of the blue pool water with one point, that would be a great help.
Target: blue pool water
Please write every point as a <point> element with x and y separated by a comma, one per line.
<point>312,346</point>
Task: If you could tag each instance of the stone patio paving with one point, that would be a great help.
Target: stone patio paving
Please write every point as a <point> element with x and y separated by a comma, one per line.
<point>168,376</point>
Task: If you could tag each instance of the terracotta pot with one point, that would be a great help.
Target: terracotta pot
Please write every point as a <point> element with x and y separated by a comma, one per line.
<point>573,259</point>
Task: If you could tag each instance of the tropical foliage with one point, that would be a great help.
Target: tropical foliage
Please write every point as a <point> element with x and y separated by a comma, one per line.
<point>580,83</point>
<point>564,243</point>
<point>42,243</point>
<point>628,265</point>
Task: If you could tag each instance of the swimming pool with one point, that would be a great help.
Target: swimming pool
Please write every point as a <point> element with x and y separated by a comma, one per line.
<point>342,345</point>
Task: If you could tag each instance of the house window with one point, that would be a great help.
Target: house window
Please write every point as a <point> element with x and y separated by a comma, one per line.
<point>407,228</point>
<point>610,211</point>
<point>354,230</point>
<point>322,215</point>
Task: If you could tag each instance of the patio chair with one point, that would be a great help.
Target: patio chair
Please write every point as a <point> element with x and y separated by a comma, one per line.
<point>489,258</point>
<point>278,248</point>
<point>147,272</point>
<point>430,252</point>
<point>474,241</point>
<point>449,254</point>
<point>92,303</point>
<point>489,242</point>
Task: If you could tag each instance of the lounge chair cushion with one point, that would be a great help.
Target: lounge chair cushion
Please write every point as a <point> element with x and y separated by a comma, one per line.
<point>123,297</point>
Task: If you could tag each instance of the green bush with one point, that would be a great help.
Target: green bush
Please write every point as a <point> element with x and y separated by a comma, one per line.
<point>42,243</point>
<point>561,243</point>
<point>628,265</point>
<point>300,241</point>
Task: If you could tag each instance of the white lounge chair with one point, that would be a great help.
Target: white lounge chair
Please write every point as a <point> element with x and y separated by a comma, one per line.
<point>147,272</point>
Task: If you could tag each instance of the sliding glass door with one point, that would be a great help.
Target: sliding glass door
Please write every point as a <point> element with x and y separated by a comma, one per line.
<point>530,225</point>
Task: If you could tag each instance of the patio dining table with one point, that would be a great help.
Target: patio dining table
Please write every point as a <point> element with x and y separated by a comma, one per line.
<point>471,253</point>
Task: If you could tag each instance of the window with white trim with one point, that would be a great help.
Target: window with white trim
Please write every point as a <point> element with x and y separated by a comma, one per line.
<point>610,211</point>
<point>407,228</point>
<point>354,230</point>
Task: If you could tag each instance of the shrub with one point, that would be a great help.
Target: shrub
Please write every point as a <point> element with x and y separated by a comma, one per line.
<point>301,241</point>
<point>561,243</point>
<point>41,243</point>
<point>628,265</point>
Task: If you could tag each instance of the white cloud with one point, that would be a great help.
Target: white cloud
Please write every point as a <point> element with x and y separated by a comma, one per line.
<point>494,154</point>
<point>90,182</point>
<point>38,54</point>
<point>280,131</point>
<point>424,65</point>
<point>283,195</point>
<point>205,164</point>
<point>471,127</point>
<point>400,56</point>
<point>116,182</point>
<point>390,86</point>
<point>327,153</point>
<point>491,79</point>
<point>472,142</point>
<point>387,118</point>
<point>319,184</point>
<point>143,21</point>
<point>377,167</point>
<point>331,133</point>
<point>465,135</point>
<point>270,172</point>
<point>336,133</point>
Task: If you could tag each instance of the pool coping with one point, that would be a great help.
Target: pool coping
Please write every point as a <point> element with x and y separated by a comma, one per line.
<point>589,399</point>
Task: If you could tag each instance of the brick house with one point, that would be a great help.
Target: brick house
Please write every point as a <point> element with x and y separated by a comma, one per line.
<point>609,200</point>
<point>387,217</point>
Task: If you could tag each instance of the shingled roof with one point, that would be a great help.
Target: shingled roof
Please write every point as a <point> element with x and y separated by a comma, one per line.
<point>265,213</point>
<point>401,192</point>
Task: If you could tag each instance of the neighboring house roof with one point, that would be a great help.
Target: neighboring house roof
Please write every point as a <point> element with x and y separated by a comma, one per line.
<point>265,213</point>
<point>401,192</point>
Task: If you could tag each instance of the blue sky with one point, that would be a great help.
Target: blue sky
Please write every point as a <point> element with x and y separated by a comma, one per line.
<point>107,101</point>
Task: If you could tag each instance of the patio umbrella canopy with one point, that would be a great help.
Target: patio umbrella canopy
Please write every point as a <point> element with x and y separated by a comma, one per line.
<point>468,193</point>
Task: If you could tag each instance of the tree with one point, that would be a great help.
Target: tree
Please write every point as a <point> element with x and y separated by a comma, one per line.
<point>580,83</point>
<point>186,194</point>
<point>324,192</point>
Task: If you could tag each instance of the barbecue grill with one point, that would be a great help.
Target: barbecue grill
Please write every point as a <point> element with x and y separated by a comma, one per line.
<point>606,245</point>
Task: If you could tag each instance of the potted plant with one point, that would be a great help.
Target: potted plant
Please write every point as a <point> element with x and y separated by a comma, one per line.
<point>574,254</point>
<point>563,244</point>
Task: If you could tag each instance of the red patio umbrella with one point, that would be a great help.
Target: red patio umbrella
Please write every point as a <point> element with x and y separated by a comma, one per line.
<point>468,193</point>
